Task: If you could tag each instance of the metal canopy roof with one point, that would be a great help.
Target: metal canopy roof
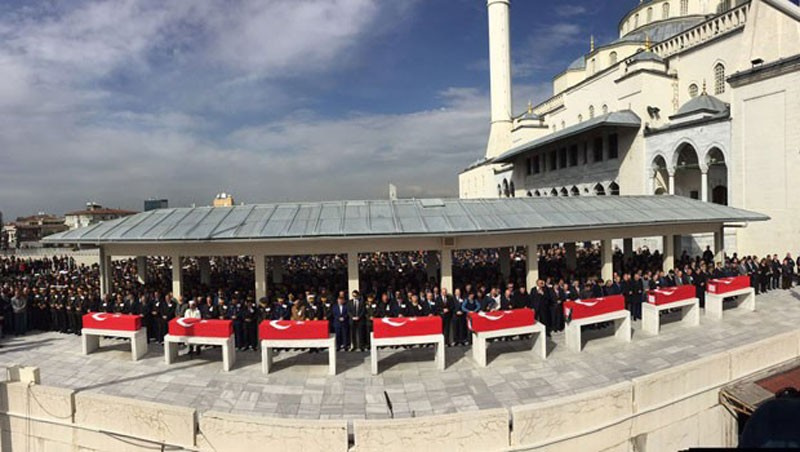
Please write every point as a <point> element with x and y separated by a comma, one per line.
<point>624,118</point>
<point>406,217</point>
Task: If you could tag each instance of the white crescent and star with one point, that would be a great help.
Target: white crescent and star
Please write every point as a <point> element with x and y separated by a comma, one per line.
<point>489,317</point>
<point>392,322</point>
<point>182,322</point>
<point>277,325</point>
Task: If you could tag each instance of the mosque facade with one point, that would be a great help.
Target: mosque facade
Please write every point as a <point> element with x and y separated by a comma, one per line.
<point>696,98</point>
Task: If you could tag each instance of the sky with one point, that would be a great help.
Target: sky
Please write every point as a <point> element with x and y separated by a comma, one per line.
<point>117,101</point>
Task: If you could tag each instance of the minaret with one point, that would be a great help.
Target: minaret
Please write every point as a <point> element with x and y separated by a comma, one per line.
<point>500,77</point>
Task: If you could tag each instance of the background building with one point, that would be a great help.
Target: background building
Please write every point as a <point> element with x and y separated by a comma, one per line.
<point>695,98</point>
<point>27,232</point>
<point>94,213</point>
<point>153,204</point>
<point>223,200</point>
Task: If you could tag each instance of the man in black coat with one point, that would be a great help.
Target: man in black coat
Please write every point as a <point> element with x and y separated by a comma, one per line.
<point>357,313</point>
<point>447,303</point>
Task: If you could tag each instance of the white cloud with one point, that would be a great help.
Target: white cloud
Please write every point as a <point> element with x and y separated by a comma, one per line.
<point>115,101</point>
<point>568,10</point>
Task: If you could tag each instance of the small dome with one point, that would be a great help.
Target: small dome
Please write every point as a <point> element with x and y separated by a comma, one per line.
<point>646,56</point>
<point>703,104</point>
<point>580,63</point>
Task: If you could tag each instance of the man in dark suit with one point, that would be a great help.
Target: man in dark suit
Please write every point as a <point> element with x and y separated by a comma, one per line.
<point>447,303</point>
<point>341,324</point>
<point>357,311</point>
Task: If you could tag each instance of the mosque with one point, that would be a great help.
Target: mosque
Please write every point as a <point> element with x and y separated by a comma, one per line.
<point>696,98</point>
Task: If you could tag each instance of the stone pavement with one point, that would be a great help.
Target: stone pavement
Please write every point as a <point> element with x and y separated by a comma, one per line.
<point>300,388</point>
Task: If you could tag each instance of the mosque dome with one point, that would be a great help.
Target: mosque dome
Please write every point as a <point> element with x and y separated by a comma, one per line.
<point>703,104</point>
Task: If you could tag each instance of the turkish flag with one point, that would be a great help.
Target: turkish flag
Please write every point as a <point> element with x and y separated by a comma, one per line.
<point>501,320</point>
<point>406,326</point>
<point>106,321</point>
<point>200,328</point>
<point>725,285</point>
<point>580,309</point>
<point>289,329</point>
<point>671,294</point>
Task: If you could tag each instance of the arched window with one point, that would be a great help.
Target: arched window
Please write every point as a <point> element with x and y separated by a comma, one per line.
<point>505,188</point>
<point>649,15</point>
<point>591,111</point>
<point>563,125</point>
<point>594,65</point>
<point>684,7</point>
<point>613,189</point>
<point>612,58</point>
<point>580,118</point>
<point>599,190</point>
<point>564,192</point>
<point>636,21</point>
<point>512,191</point>
<point>605,109</point>
<point>529,194</point>
<point>537,193</point>
<point>665,11</point>
<point>575,191</point>
<point>693,90</point>
<point>719,79</point>
<point>499,191</point>
<point>554,192</point>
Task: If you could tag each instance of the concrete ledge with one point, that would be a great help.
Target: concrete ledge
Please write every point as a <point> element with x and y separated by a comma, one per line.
<point>232,432</point>
<point>763,354</point>
<point>677,382</point>
<point>36,401</point>
<point>473,431</point>
<point>559,419</point>
<point>157,422</point>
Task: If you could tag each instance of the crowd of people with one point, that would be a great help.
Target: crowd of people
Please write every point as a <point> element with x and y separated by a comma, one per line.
<point>52,294</point>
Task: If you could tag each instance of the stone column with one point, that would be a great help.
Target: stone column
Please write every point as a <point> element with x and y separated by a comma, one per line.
<point>572,255</point>
<point>106,277</point>
<point>532,256</point>
<point>447,270</point>
<point>504,259</point>
<point>669,252</point>
<point>671,183</point>
<point>353,282</point>
<point>627,248</point>
<point>607,262</point>
<point>719,244</point>
<point>704,186</point>
<point>141,269</point>
<point>431,266</point>
<point>177,276</point>
<point>205,270</point>
<point>277,269</point>
<point>261,275</point>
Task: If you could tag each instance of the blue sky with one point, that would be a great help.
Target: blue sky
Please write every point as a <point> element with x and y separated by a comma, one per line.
<point>115,101</point>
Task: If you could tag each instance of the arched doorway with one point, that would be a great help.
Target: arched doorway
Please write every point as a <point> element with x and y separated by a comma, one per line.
<point>719,195</point>
<point>575,191</point>
<point>564,192</point>
<point>554,192</point>
<point>687,172</point>
<point>660,176</point>
<point>599,190</point>
<point>511,190</point>
<point>505,188</point>
<point>717,176</point>
<point>613,189</point>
